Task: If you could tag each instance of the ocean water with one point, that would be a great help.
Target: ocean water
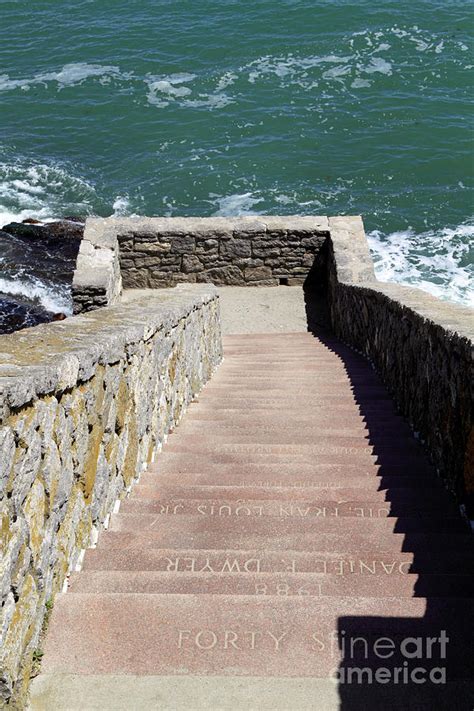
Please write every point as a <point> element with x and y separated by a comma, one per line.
<point>222,107</point>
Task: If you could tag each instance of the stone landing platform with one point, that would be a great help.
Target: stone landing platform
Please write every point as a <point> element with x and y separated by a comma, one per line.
<point>292,530</point>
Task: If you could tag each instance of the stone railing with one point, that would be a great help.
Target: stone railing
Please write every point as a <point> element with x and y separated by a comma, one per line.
<point>84,406</point>
<point>421,346</point>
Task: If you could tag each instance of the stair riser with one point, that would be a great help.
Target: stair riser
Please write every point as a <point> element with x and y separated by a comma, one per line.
<point>279,453</point>
<point>419,501</point>
<point>258,456</point>
<point>351,542</point>
<point>358,429</point>
<point>258,426</point>
<point>318,441</point>
<point>333,563</point>
<point>313,465</point>
<point>225,521</point>
<point>284,509</point>
<point>276,477</point>
<point>315,416</point>
<point>267,584</point>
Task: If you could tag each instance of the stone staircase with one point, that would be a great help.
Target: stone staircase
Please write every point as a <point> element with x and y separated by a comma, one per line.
<point>290,512</point>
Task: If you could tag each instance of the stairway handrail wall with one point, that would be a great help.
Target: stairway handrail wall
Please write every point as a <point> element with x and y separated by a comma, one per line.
<point>422,347</point>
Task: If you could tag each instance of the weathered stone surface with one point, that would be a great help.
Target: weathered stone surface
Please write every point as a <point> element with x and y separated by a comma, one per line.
<point>97,280</point>
<point>257,273</point>
<point>191,263</point>
<point>236,248</point>
<point>222,275</point>
<point>91,402</point>
<point>183,244</point>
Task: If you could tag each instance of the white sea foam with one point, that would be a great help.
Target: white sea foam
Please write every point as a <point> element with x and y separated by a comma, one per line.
<point>122,207</point>
<point>7,216</point>
<point>211,101</point>
<point>436,261</point>
<point>347,69</point>
<point>378,65</point>
<point>50,298</point>
<point>69,75</point>
<point>421,45</point>
<point>337,72</point>
<point>162,91</point>
<point>360,83</point>
<point>237,204</point>
<point>290,67</point>
<point>41,191</point>
<point>226,80</point>
<point>384,47</point>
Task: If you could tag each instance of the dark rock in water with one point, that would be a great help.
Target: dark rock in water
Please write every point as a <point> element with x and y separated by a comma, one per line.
<point>36,271</point>
<point>60,238</point>
<point>31,221</point>
<point>76,218</point>
<point>16,314</point>
<point>61,231</point>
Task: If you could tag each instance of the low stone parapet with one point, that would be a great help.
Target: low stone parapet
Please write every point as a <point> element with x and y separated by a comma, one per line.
<point>162,252</point>
<point>422,346</point>
<point>84,406</point>
<point>97,278</point>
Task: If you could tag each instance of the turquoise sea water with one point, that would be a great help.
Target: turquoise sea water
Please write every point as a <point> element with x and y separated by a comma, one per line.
<point>175,107</point>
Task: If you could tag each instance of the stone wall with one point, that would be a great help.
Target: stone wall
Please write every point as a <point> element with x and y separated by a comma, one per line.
<point>421,346</point>
<point>84,405</point>
<point>97,279</point>
<point>247,251</point>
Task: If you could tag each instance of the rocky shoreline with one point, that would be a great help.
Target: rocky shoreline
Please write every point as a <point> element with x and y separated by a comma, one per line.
<point>36,269</point>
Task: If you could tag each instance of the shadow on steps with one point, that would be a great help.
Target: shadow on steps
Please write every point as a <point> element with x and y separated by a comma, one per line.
<point>403,662</point>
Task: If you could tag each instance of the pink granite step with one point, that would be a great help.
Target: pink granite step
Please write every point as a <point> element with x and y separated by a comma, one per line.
<point>340,386</point>
<point>287,458</point>
<point>198,420</point>
<point>285,379</point>
<point>332,399</point>
<point>284,508</point>
<point>242,635</point>
<point>357,429</point>
<point>290,456</point>
<point>292,389</point>
<point>123,533</point>
<point>301,361</point>
<point>330,563</point>
<point>268,477</point>
<point>278,454</point>
<point>228,520</point>
<point>316,409</point>
<point>318,440</point>
<point>430,499</point>
<point>267,584</point>
<point>317,416</point>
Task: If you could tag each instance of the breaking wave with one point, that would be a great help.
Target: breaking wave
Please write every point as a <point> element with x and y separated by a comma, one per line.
<point>438,261</point>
